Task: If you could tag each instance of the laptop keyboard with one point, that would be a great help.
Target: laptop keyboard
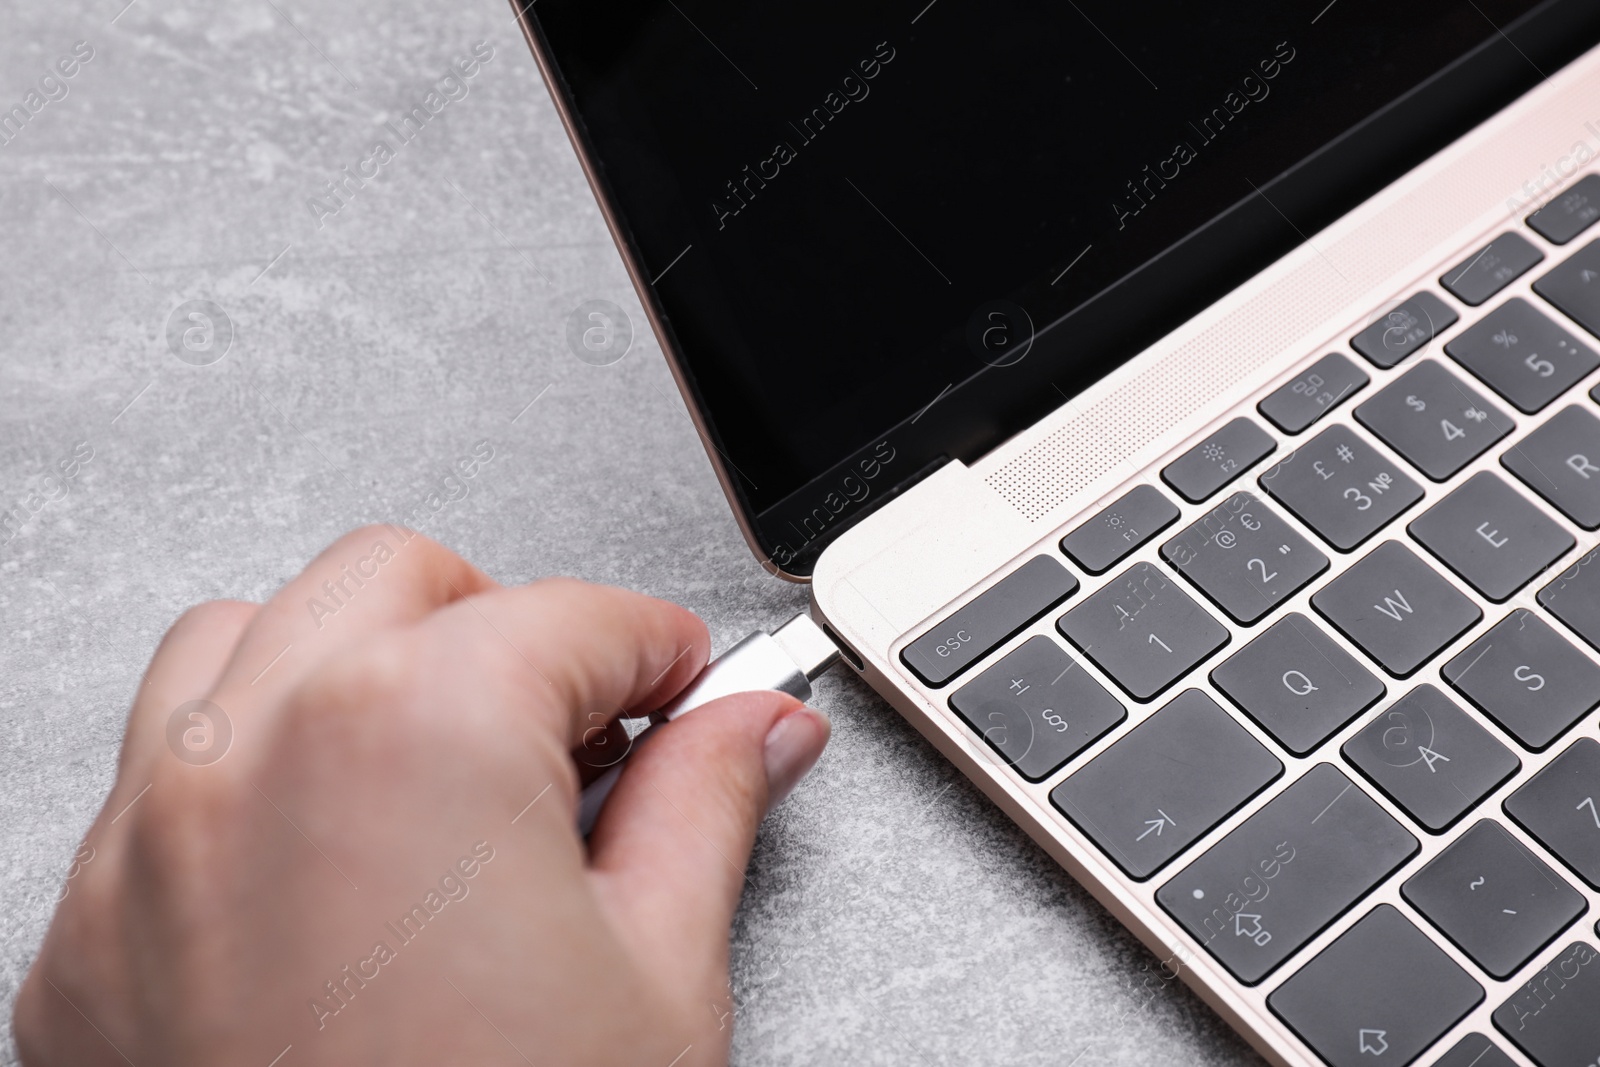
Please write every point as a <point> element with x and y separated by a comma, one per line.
<point>1376,659</point>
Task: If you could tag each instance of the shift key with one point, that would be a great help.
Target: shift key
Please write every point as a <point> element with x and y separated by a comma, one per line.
<point>989,620</point>
<point>1285,873</point>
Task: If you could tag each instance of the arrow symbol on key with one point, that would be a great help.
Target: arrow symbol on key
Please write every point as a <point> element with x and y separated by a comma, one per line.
<point>1374,1042</point>
<point>1588,802</point>
<point>1154,826</point>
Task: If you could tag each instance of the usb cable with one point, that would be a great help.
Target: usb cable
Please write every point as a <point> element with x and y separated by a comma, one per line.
<point>787,659</point>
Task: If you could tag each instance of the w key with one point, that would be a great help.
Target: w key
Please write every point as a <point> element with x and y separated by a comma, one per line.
<point>1397,608</point>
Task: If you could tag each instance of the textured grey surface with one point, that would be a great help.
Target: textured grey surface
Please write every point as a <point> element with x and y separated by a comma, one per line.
<point>893,916</point>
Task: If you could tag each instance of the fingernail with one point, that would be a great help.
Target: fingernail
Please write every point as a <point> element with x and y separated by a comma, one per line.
<point>794,744</point>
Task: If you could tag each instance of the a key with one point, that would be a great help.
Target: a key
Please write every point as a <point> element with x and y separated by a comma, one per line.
<point>1103,541</point>
<point>1340,486</point>
<point>1158,790</point>
<point>1561,462</point>
<point>1244,557</point>
<point>1521,353</point>
<point>1318,390</point>
<point>1475,1050</point>
<point>1382,993</point>
<point>1560,807</point>
<point>1552,1016</point>
<point>1143,630</point>
<point>989,620</point>
<point>1491,268</point>
<point>1526,677</point>
<point>1574,287</point>
<point>1396,608</point>
<point>1430,757</point>
<point>1496,900</point>
<point>1405,330</point>
<point>1037,707</point>
<point>1297,683</point>
<point>1570,213</point>
<point>1434,419</point>
<point>1218,460</point>
<point>1280,877</point>
<point>1491,535</point>
<point>1574,597</point>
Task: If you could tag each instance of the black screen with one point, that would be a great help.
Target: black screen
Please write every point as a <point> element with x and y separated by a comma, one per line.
<point>884,235</point>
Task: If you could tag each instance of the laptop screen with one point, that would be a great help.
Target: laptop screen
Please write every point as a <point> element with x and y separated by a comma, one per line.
<point>879,236</point>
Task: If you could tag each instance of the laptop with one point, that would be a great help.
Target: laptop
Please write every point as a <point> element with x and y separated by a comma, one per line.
<point>1188,417</point>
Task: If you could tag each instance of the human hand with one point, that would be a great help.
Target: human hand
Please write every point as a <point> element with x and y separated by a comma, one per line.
<point>383,866</point>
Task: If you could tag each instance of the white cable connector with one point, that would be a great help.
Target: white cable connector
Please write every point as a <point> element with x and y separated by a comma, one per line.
<point>787,660</point>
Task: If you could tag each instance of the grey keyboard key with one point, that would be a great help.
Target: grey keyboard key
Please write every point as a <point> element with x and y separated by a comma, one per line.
<point>1431,758</point>
<point>1297,683</point>
<point>1340,486</point>
<point>1143,630</point>
<point>1574,597</point>
<point>1382,993</point>
<point>1244,557</point>
<point>1325,385</point>
<point>1527,678</point>
<point>1474,1050</point>
<point>1552,1017</point>
<point>1311,852</point>
<point>1521,353</point>
<point>1103,541</point>
<point>1174,777</point>
<point>1560,807</point>
<point>1434,419</point>
<point>1405,330</point>
<point>1037,707</point>
<point>1496,900</point>
<point>1570,213</point>
<point>1491,535</point>
<point>1218,460</point>
<point>1561,462</point>
<point>1396,608</point>
<point>1574,287</point>
<point>989,620</point>
<point>1491,268</point>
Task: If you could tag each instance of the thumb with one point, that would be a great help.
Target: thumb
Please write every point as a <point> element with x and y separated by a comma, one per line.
<point>672,842</point>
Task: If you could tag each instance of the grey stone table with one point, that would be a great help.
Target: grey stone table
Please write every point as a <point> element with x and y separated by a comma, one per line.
<point>376,337</point>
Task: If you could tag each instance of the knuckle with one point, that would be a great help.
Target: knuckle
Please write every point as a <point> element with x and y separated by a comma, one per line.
<point>208,615</point>
<point>179,832</point>
<point>377,675</point>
